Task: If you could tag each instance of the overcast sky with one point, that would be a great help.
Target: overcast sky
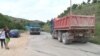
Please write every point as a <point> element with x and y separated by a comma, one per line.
<point>35,9</point>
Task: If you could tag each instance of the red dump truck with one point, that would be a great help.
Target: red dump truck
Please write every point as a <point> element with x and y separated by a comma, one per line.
<point>72,28</point>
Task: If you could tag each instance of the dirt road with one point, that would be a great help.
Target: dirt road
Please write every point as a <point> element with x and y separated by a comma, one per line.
<point>44,45</point>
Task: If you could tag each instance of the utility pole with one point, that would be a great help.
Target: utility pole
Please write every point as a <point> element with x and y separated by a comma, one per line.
<point>70,7</point>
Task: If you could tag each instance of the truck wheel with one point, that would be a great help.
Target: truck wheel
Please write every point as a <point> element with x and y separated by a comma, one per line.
<point>65,38</point>
<point>59,36</point>
<point>54,35</point>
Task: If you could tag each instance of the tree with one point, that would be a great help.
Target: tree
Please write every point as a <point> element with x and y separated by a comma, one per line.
<point>88,1</point>
<point>46,26</point>
<point>94,1</point>
<point>4,21</point>
<point>80,6</point>
<point>83,3</point>
<point>41,24</point>
<point>98,1</point>
<point>74,6</point>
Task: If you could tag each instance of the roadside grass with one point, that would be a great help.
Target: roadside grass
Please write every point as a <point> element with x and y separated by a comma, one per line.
<point>96,39</point>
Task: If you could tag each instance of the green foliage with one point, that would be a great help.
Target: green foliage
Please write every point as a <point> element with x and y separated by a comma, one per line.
<point>46,26</point>
<point>94,1</point>
<point>16,23</point>
<point>97,29</point>
<point>5,20</point>
<point>95,40</point>
<point>88,1</point>
<point>65,12</point>
<point>83,3</point>
<point>61,15</point>
<point>74,6</point>
<point>80,6</point>
<point>41,24</point>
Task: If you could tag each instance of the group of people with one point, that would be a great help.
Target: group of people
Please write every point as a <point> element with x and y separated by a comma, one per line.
<point>5,37</point>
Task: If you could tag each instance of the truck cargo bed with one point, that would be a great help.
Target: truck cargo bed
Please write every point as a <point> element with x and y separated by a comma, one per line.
<point>74,22</point>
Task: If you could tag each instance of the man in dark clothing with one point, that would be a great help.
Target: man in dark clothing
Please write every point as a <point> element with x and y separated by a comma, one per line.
<point>7,40</point>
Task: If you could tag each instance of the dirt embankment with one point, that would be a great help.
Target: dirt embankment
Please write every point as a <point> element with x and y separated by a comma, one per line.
<point>17,46</point>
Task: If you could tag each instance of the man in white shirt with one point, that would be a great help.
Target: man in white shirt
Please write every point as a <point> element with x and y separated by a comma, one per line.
<point>2,39</point>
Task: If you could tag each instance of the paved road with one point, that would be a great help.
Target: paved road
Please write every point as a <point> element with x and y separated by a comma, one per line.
<point>44,45</point>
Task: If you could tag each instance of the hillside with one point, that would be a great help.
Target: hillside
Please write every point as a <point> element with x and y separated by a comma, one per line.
<point>13,22</point>
<point>87,9</point>
<point>4,21</point>
<point>10,22</point>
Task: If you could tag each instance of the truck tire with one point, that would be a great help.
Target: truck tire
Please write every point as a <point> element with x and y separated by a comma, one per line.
<point>59,36</point>
<point>66,39</point>
<point>54,35</point>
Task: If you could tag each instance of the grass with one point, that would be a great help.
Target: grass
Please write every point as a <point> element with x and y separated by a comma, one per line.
<point>95,40</point>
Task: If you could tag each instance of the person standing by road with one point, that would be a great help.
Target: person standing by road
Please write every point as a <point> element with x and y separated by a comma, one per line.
<point>7,35</point>
<point>2,38</point>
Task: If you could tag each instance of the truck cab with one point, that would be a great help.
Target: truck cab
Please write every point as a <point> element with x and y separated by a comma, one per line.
<point>35,30</point>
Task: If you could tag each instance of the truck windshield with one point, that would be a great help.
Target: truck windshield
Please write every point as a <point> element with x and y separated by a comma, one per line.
<point>35,29</point>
